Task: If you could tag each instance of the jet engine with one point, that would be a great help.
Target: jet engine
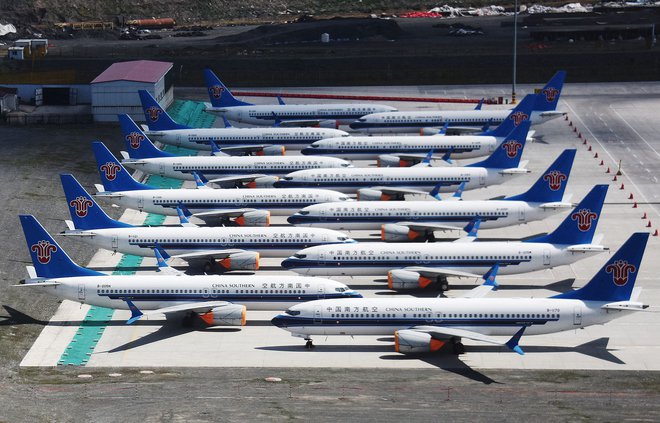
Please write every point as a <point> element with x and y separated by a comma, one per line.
<point>227,315</point>
<point>389,160</point>
<point>254,218</point>
<point>262,182</point>
<point>245,260</point>
<point>391,232</point>
<point>370,194</point>
<point>329,123</point>
<point>411,342</point>
<point>272,150</point>
<point>406,279</point>
<point>429,131</point>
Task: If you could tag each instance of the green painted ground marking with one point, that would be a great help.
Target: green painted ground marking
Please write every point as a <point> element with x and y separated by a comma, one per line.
<point>91,329</point>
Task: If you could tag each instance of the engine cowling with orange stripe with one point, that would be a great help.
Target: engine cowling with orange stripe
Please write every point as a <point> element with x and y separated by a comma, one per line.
<point>254,218</point>
<point>388,160</point>
<point>413,342</point>
<point>391,232</point>
<point>262,182</point>
<point>407,279</point>
<point>429,131</point>
<point>245,260</point>
<point>228,315</point>
<point>370,194</point>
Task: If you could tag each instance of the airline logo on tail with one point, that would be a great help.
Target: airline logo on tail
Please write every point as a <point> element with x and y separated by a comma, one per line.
<point>584,218</point>
<point>110,169</point>
<point>153,112</point>
<point>81,204</point>
<point>550,93</point>
<point>518,117</point>
<point>620,271</point>
<point>135,139</point>
<point>216,91</point>
<point>44,250</point>
<point>554,179</point>
<point>512,147</point>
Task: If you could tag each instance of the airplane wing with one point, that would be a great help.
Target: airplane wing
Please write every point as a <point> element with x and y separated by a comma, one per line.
<point>444,333</point>
<point>208,254</point>
<point>245,149</point>
<point>390,190</point>
<point>239,178</point>
<point>438,271</point>
<point>222,213</point>
<point>300,123</point>
<point>416,226</point>
<point>188,307</point>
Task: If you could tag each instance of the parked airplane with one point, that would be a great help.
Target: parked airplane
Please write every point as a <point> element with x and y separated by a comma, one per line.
<point>227,248</point>
<point>420,264</point>
<point>322,114</point>
<point>405,150</point>
<point>249,207</point>
<point>230,140</point>
<point>424,325</point>
<point>496,169</point>
<point>429,122</point>
<point>144,156</point>
<point>216,299</point>
<point>418,220</point>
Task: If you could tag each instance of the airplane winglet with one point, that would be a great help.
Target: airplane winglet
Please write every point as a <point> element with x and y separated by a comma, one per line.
<point>444,128</point>
<point>446,157</point>
<point>135,312</point>
<point>490,276</point>
<point>278,121</point>
<point>279,100</point>
<point>459,192</point>
<point>183,220</point>
<point>215,150</point>
<point>472,228</point>
<point>488,124</point>
<point>160,252</point>
<point>435,192</point>
<point>478,106</point>
<point>513,342</point>
<point>198,180</point>
<point>226,122</point>
<point>427,160</point>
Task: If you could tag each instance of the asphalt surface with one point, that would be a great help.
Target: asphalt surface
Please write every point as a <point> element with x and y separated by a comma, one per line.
<point>400,387</point>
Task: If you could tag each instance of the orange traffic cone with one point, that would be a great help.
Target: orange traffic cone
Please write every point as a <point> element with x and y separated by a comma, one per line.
<point>644,217</point>
<point>655,233</point>
<point>622,187</point>
<point>614,180</point>
<point>589,148</point>
<point>648,225</point>
<point>608,170</point>
<point>635,205</point>
<point>601,163</point>
<point>630,197</point>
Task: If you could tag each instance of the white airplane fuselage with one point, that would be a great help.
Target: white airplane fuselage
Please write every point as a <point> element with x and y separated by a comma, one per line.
<point>372,214</point>
<point>153,292</point>
<point>281,202</point>
<point>267,241</point>
<point>369,148</point>
<point>198,139</point>
<point>415,121</point>
<point>220,166</point>
<point>488,316</point>
<point>342,113</point>
<point>419,178</point>
<point>371,258</point>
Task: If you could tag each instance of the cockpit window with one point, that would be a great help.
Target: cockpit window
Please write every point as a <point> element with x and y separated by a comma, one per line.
<point>300,256</point>
<point>343,198</point>
<point>345,164</point>
<point>342,238</point>
<point>341,289</point>
<point>314,146</point>
<point>362,119</point>
<point>287,178</point>
<point>292,312</point>
<point>304,212</point>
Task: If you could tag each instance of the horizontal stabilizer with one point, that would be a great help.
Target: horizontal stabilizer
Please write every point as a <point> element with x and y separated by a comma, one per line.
<point>586,248</point>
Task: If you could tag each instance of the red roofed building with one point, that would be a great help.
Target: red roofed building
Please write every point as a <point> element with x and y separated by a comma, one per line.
<point>115,91</point>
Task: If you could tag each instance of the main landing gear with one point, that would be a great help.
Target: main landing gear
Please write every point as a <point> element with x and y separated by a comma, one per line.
<point>309,345</point>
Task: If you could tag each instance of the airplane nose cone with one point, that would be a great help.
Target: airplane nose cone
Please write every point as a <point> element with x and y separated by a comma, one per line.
<point>354,125</point>
<point>353,294</point>
<point>294,219</point>
<point>307,151</point>
<point>288,263</point>
<point>279,321</point>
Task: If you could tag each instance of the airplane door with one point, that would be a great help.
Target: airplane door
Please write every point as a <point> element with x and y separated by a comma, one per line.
<point>115,243</point>
<point>317,315</point>
<point>546,257</point>
<point>482,180</point>
<point>81,292</point>
<point>521,214</point>
<point>322,216</point>
<point>140,202</point>
<point>322,258</point>
<point>577,316</point>
<point>321,293</point>
<point>205,292</point>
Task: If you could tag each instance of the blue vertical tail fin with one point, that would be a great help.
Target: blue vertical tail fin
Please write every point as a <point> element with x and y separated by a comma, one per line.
<point>616,279</point>
<point>579,226</point>
<point>507,155</point>
<point>49,259</point>
<point>220,95</point>
<point>518,115</point>
<point>114,176</point>
<point>156,117</point>
<point>551,185</point>
<point>138,145</point>
<point>85,212</point>
<point>548,96</point>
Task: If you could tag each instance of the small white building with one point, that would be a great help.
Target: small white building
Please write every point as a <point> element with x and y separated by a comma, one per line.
<point>8,100</point>
<point>16,53</point>
<point>115,91</point>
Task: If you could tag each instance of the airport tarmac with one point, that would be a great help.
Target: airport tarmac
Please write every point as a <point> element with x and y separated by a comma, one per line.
<point>618,122</point>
